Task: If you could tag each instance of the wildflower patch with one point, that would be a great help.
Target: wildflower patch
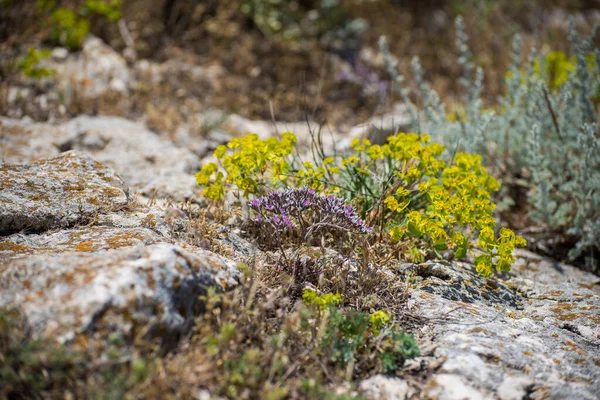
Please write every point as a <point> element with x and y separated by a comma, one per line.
<point>404,189</point>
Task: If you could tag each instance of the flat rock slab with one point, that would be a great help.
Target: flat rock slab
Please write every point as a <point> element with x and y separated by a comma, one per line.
<point>147,163</point>
<point>535,333</point>
<point>57,192</point>
<point>86,239</point>
<point>153,289</point>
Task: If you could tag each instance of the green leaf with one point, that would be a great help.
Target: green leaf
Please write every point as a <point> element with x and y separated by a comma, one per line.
<point>441,246</point>
<point>461,252</point>
<point>413,230</point>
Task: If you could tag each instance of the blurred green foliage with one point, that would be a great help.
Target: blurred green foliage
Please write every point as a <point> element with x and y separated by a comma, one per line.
<point>29,64</point>
<point>291,20</point>
<point>68,27</point>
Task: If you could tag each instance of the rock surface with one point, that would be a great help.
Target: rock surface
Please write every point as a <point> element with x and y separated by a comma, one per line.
<point>125,290</point>
<point>534,334</point>
<point>86,239</point>
<point>385,388</point>
<point>148,164</point>
<point>111,273</point>
<point>378,128</point>
<point>64,190</point>
<point>91,73</point>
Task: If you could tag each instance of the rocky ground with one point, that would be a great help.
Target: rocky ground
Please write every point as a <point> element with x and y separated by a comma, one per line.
<point>95,240</point>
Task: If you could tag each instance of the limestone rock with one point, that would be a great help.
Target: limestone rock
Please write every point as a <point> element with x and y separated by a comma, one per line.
<point>147,163</point>
<point>453,387</point>
<point>380,387</point>
<point>153,166</point>
<point>93,71</point>
<point>378,128</point>
<point>153,288</point>
<point>57,192</point>
<point>495,342</point>
<point>86,239</point>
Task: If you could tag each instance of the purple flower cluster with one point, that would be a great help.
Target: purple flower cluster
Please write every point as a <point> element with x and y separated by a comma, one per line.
<point>306,212</point>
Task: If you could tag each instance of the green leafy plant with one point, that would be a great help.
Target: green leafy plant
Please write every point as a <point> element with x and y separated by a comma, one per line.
<point>312,299</point>
<point>250,165</point>
<point>352,335</point>
<point>69,27</point>
<point>111,10</point>
<point>301,348</point>
<point>30,66</point>
<point>379,319</point>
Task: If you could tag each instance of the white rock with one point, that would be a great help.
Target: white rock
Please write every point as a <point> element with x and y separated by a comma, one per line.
<point>60,53</point>
<point>514,388</point>
<point>153,287</point>
<point>452,387</point>
<point>380,387</point>
<point>57,192</point>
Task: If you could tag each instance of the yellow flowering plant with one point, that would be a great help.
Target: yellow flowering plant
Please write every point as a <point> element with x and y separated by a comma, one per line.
<point>403,188</point>
<point>252,165</point>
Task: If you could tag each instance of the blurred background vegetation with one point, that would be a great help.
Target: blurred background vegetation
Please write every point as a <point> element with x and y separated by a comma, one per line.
<point>288,51</point>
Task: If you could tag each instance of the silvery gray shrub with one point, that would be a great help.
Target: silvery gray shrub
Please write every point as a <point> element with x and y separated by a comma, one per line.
<point>549,137</point>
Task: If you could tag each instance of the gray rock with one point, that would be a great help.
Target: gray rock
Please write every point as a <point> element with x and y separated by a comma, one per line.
<point>87,239</point>
<point>452,387</point>
<point>534,338</point>
<point>57,192</point>
<point>378,128</point>
<point>147,163</point>
<point>380,387</point>
<point>89,72</point>
<point>23,141</point>
<point>60,53</point>
<point>151,289</point>
<point>514,388</point>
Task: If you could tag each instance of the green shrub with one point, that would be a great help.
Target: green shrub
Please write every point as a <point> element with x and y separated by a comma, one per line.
<point>352,335</point>
<point>272,355</point>
<point>544,130</point>
<point>111,10</point>
<point>69,27</point>
<point>402,187</point>
<point>293,21</point>
<point>29,64</point>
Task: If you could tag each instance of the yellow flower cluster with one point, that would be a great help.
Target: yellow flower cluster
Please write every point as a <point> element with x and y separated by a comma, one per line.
<point>555,68</point>
<point>379,319</point>
<point>252,164</point>
<point>311,298</point>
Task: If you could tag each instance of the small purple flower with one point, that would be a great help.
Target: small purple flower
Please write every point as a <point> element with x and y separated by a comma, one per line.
<point>286,220</point>
<point>294,208</point>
